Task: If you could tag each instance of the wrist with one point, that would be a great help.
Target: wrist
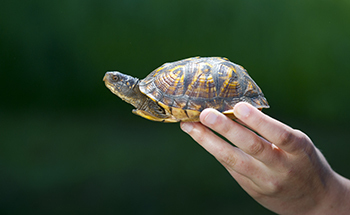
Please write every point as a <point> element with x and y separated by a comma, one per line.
<point>337,197</point>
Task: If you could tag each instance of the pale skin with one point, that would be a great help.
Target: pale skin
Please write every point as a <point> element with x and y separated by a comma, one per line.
<point>280,168</point>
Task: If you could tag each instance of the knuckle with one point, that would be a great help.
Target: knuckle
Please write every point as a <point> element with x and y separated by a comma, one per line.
<point>198,133</point>
<point>273,188</point>
<point>301,137</point>
<point>225,129</point>
<point>287,136</point>
<point>269,188</point>
<point>300,141</point>
<point>259,123</point>
<point>309,149</point>
<point>255,149</point>
<point>230,160</point>
<point>222,125</point>
<point>199,136</point>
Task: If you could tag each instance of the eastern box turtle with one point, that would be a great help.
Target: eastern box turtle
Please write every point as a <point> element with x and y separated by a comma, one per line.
<point>180,90</point>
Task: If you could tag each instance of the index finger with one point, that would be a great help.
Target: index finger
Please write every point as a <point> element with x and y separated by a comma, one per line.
<point>283,136</point>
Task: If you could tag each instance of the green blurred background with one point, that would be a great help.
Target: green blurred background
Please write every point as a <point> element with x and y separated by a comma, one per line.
<point>69,146</point>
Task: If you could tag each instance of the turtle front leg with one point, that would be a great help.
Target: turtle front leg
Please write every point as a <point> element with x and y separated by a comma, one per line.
<point>147,115</point>
<point>149,109</point>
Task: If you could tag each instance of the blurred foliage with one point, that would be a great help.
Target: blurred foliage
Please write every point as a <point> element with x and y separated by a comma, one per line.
<point>69,145</point>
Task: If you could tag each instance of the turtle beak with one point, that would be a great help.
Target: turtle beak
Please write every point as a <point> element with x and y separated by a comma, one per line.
<point>105,78</point>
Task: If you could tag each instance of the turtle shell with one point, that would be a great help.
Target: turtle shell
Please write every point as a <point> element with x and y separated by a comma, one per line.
<point>184,88</point>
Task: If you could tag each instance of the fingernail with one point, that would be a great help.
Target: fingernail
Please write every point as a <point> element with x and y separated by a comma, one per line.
<point>242,110</point>
<point>187,127</point>
<point>211,118</point>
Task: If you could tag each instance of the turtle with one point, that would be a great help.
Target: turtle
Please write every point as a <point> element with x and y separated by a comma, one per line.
<point>180,90</point>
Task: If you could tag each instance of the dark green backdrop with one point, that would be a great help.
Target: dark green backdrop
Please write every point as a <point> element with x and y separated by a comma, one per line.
<point>69,146</point>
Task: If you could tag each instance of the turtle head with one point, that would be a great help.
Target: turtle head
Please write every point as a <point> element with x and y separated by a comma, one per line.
<point>124,86</point>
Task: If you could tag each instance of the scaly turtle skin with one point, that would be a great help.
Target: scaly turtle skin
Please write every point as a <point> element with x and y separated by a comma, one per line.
<point>180,90</point>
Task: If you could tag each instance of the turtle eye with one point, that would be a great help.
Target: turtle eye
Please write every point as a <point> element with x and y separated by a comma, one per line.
<point>115,78</point>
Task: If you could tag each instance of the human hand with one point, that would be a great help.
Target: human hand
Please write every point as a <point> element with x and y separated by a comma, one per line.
<point>280,168</point>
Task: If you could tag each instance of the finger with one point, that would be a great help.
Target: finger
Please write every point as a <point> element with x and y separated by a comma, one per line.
<point>281,135</point>
<point>232,158</point>
<point>243,138</point>
<point>219,148</point>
